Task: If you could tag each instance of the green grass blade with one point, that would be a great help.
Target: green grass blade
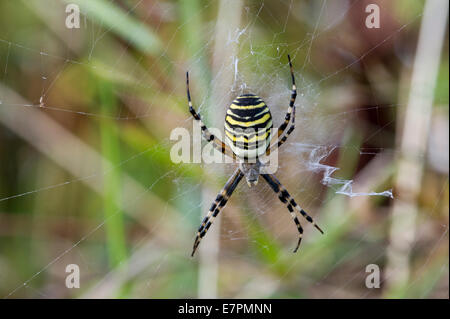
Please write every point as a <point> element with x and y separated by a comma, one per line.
<point>112,199</point>
<point>121,23</point>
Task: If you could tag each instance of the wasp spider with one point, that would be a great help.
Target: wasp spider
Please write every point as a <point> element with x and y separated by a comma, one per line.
<point>248,131</point>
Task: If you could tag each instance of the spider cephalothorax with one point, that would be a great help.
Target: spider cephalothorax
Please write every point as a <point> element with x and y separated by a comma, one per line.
<point>251,172</point>
<point>248,130</point>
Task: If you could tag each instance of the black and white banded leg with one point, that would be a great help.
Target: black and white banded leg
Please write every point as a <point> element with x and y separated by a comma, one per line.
<point>290,113</point>
<point>287,199</point>
<point>208,136</point>
<point>289,131</point>
<point>284,138</point>
<point>219,203</point>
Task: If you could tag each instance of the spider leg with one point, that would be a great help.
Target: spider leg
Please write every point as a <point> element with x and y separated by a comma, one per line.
<point>284,138</point>
<point>219,203</point>
<point>287,199</point>
<point>207,135</point>
<point>290,111</point>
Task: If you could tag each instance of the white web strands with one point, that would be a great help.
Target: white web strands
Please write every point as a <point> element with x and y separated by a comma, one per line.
<point>313,155</point>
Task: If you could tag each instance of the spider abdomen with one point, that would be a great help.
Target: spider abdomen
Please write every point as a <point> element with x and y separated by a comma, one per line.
<point>248,126</point>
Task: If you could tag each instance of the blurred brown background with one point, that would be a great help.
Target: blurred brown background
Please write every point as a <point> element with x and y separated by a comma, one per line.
<point>86,176</point>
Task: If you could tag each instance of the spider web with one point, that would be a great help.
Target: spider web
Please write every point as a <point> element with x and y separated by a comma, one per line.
<point>256,231</point>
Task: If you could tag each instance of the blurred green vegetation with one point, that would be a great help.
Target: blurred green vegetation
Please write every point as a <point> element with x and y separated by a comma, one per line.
<point>115,204</point>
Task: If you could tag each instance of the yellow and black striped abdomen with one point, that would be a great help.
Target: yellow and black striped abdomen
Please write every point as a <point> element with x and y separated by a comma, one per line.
<point>248,126</point>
